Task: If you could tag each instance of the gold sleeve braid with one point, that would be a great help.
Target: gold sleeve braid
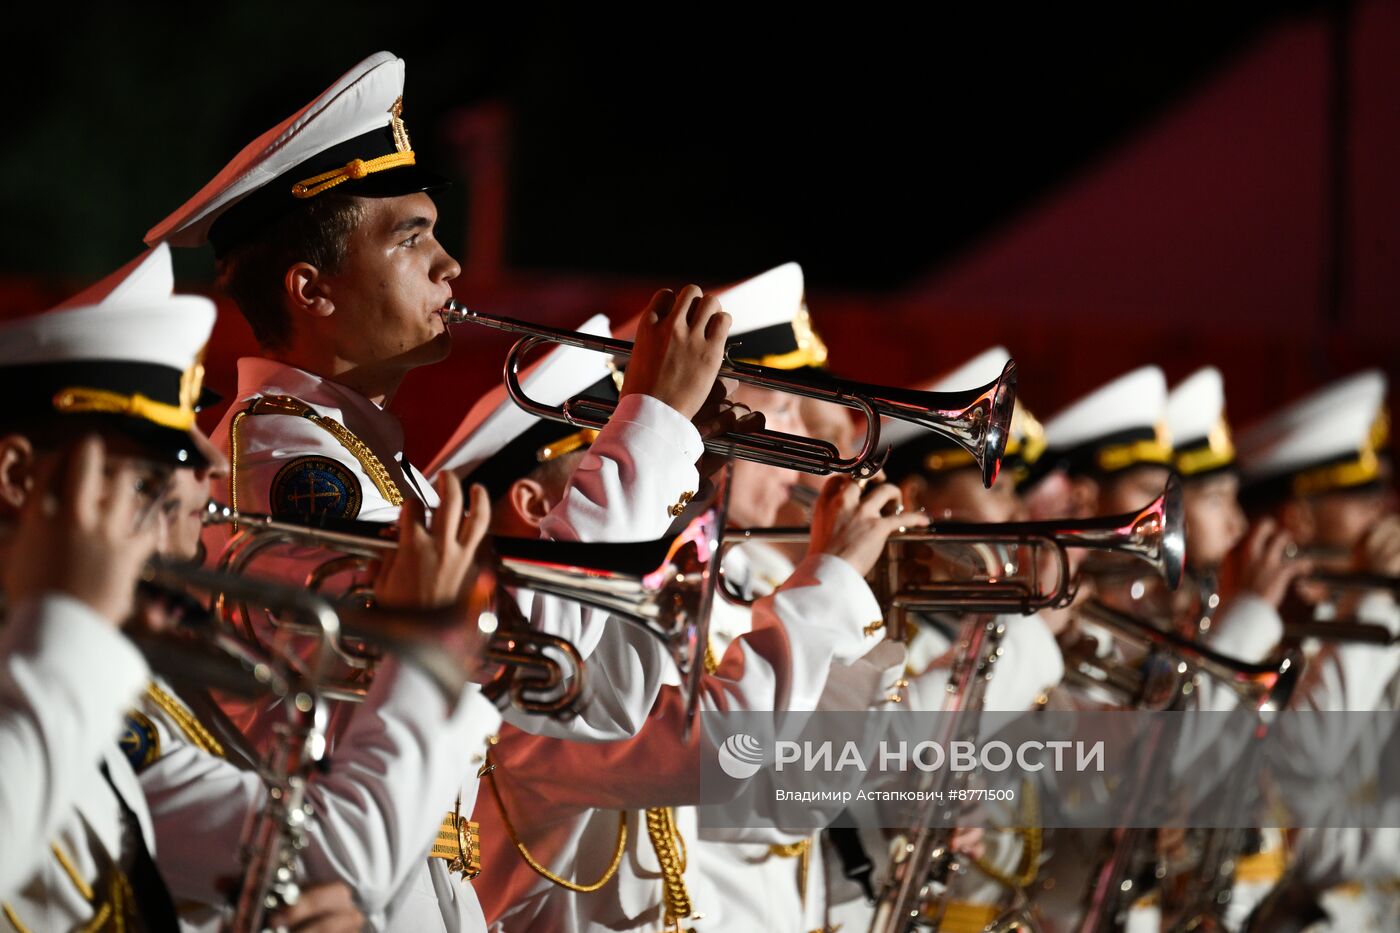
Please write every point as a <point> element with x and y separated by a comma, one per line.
<point>116,911</point>
<point>669,845</point>
<point>287,405</point>
<point>185,720</point>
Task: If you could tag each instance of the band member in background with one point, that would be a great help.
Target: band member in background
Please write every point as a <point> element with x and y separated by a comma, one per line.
<point>1320,470</point>
<point>323,229</point>
<point>940,478</point>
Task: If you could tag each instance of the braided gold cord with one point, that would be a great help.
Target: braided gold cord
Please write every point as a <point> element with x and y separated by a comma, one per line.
<point>802,851</point>
<point>665,838</point>
<point>233,460</point>
<point>116,910</point>
<point>287,405</point>
<point>188,723</point>
<point>354,169</point>
<point>376,470</point>
<point>540,869</point>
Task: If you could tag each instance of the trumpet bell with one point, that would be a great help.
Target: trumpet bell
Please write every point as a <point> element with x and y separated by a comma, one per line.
<point>977,419</point>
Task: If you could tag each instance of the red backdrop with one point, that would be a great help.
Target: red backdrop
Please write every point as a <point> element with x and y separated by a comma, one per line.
<point>1203,240</point>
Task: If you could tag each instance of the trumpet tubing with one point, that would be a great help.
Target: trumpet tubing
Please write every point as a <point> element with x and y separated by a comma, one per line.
<point>979,420</point>
<point>1267,685</point>
<point>663,586</point>
<point>1153,535</point>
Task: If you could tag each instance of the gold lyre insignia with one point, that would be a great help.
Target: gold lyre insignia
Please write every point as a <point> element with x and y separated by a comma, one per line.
<point>401,142</point>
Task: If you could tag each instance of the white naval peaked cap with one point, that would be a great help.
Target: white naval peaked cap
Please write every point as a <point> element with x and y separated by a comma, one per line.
<point>1329,440</point>
<point>148,276</point>
<point>1118,425</point>
<point>495,423</point>
<point>351,135</point>
<point>131,357</point>
<point>978,371</point>
<point>1196,420</point>
<point>771,324</point>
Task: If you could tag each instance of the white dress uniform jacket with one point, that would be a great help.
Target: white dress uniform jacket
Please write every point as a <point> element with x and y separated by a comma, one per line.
<point>1354,677</point>
<point>761,885</point>
<point>571,792</point>
<point>66,678</point>
<point>635,470</point>
<point>1031,664</point>
<point>375,808</point>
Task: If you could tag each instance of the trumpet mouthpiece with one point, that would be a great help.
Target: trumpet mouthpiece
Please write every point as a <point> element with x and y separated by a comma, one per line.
<point>454,312</point>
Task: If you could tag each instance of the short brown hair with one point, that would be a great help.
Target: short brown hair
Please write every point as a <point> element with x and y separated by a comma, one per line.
<point>317,232</point>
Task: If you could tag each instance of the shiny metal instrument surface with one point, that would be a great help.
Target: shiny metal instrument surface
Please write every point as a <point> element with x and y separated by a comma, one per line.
<point>1153,535</point>
<point>979,420</point>
<point>665,587</point>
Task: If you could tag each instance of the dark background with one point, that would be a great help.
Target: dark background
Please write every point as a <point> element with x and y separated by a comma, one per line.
<point>1095,188</point>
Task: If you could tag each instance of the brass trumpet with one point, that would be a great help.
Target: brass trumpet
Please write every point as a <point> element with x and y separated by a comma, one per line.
<point>978,420</point>
<point>664,586</point>
<point>1342,579</point>
<point>1266,686</point>
<point>1153,535</point>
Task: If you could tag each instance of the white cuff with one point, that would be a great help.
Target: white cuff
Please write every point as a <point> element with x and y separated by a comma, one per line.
<point>1247,630</point>
<point>644,411</point>
<point>826,592</point>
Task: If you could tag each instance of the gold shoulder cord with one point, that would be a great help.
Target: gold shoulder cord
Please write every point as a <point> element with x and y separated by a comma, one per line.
<point>1031,841</point>
<point>670,855</point>
<point>187,722</point>
<point>286,405</point>
<point>544,872</point>
<point>118,908</point>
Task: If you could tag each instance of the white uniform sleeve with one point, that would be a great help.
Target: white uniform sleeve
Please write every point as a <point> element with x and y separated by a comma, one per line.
<point>638,467</point>
<point>393,773</point>
<point>66,679</point>
<point>1248,630</point>
<point>635,470</point>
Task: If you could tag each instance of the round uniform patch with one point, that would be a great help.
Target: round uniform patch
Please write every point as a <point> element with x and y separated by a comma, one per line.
<point>315,487</point>
<point>140,742</point>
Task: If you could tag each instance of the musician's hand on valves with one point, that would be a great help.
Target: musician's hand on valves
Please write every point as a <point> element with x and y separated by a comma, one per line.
<point>1268,571</point>
<point>678,351</point>
<point>85,530</point>
<point>720,416</point>
<point>429,568</point>
<point>325,908</point>
<point>853,524</point>
<point>1380,548</point>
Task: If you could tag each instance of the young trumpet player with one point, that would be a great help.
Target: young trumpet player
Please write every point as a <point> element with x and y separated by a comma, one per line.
<point>100,411</point>
<point>559,801</point>
<point>1318,473</point>
<point>942,480</point>
<point>1110,453</point>
<point>399,752</point>
<point>323,229</point>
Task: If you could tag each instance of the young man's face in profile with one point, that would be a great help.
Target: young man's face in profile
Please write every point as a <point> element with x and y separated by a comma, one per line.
<point>395,277</point>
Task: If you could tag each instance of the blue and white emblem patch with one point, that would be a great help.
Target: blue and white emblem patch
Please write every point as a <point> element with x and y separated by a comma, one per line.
<point>315,487</point>
<point>139,742</point>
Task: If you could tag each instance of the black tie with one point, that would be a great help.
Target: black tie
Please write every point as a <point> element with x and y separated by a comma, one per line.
<point>153,903</point>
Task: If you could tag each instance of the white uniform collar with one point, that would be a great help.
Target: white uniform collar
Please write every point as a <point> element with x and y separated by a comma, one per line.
<point>258,376</point>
